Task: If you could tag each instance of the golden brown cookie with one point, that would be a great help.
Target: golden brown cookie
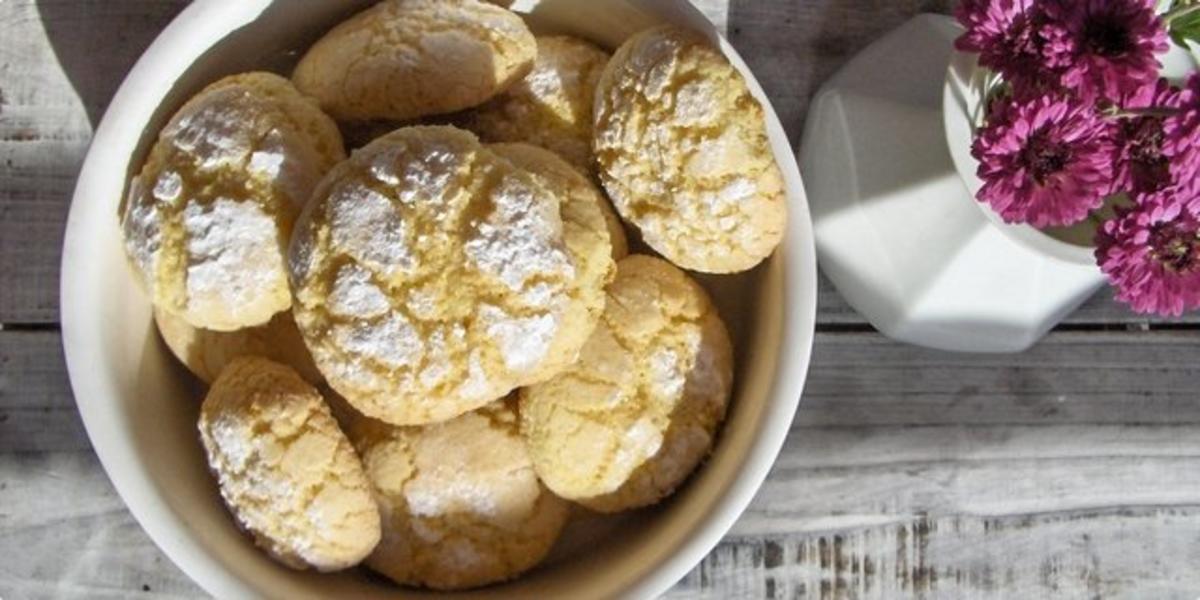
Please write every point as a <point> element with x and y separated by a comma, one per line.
<point>406,59</point>
<point>432,277</point>
<point>552,106</point>
<point>616,231</point>
<point>286,472</point>
<point>461,504</point>
<point>681,146</point>
<point>586,234</point>
<point>207,219</point>
<point>570,182</point>
<point>205,353</point>
<point>625,425</point>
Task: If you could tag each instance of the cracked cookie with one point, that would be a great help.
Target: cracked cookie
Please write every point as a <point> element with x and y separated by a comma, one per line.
<point>406,59</point>
<point>552,106</point>
<point>432,277</point>
<point>461,504</point>
<point>589,218</point>
<point>205,353</point>
<point>286,472</point>
<point>681,146</point>
<point>624,426</point>
<point>207,219</point>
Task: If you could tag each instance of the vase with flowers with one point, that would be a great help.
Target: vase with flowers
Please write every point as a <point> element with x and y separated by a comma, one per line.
<point>974,179</point>
<point>1085,126</point>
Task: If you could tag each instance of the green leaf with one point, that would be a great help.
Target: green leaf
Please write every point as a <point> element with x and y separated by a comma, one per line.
<point>1186,28</point>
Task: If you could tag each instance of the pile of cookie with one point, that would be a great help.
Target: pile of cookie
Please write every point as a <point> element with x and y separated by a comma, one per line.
<point>422,354</point>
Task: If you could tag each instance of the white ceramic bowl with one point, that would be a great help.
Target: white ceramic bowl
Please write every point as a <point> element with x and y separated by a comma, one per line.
<point>140,408</point>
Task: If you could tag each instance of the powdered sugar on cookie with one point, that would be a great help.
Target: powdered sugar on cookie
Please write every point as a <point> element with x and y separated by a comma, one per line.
<point>392,341</point>
<point>433,277</point>
<point>523,341</point>
<point>233,253</point>
<point>682,147</point>
<point>521,238</point>
<point>207,218</point>
<point>354,295</point>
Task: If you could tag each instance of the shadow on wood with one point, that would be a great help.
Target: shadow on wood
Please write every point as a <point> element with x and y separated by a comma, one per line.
<point>793,47</point>
<point>98,41</point>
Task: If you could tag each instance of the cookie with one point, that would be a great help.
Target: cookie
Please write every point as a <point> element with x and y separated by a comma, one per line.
<point>552,106</point>
<point>461,504</point>
<point>207,219</point>
<point>580,192</point>
<point>681,146</point>
<point>406,59</point>
<point>585,231</point>
<point>205,353</point>
<point>625,425</point>
<point>616,231</point>
<point>286,472</point>
<point>432,277</point>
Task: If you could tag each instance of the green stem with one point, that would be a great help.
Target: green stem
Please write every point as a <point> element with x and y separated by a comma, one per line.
<point>1179,12</point>
<point>1132,113</point>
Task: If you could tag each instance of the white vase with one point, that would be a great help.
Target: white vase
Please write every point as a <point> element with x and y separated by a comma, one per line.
<point>898,230</point>
<point>887,165</point>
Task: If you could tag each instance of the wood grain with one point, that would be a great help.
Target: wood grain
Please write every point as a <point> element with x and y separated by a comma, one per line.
<point>60,63</point>
<point>65,533</point>
<point>793,47</point>
<point>1074,554</point>
<point>37,409</point>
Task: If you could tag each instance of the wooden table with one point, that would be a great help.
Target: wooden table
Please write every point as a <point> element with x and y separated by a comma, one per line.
<point>1071,471</point>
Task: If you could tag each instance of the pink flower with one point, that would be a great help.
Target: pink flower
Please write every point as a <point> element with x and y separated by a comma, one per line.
<point>1151,252</point>
<point>1181,133</point>
<point>1142,166</point>
<point>1014,38</point>
<point>1044,161</point>
<point>1113,44</point>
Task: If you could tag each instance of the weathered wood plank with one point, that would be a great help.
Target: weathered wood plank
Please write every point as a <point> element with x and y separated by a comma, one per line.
<point>65,533</point>
<point>1141,552</point>
<point>37,409</point>
<point>1071,377</point>
<point>793,47</point>
<point>856,380</point>
<point>832,479</point>
<point>988,512</point>
<point>60,63</point>
<point>1101,309</point>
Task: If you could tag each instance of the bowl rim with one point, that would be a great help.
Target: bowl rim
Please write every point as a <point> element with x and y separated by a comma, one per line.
<point>196,28</point>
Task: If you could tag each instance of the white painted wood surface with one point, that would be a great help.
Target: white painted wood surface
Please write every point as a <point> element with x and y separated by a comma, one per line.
<point>1071,471</point>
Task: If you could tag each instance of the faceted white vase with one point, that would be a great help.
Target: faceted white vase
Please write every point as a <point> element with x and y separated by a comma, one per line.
<point>887,165</point>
